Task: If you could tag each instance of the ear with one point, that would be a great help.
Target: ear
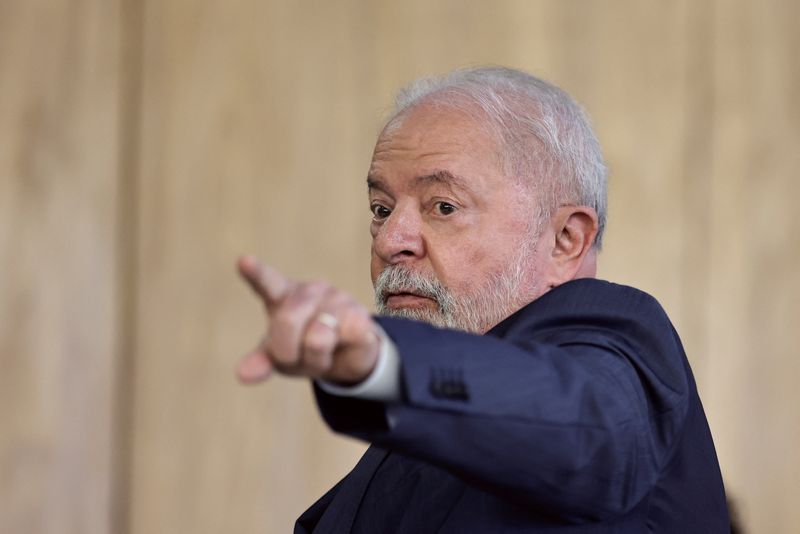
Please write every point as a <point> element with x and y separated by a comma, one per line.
<point>573,254</point>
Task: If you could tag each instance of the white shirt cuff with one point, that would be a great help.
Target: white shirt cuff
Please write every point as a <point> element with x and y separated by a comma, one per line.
<point>382,384</point>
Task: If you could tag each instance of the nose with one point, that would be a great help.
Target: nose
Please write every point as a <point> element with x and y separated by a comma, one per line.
<point>400,237</point>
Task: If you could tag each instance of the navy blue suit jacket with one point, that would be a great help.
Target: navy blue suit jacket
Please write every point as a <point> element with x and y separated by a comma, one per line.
<point>578,413</point>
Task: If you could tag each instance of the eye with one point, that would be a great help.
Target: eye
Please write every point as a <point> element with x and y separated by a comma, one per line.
<point>379,211</point>
<point>445,208</point>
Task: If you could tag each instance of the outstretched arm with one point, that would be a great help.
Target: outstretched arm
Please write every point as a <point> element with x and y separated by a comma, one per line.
<point>575,410</point>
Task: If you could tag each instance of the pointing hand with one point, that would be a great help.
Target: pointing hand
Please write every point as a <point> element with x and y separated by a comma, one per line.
<point>313,330</point>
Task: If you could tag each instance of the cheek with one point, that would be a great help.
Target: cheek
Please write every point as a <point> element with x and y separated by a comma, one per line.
<point>376,266</point>
<point>463,268</point>
<point>478,257</point>
<point>374,269</point>
<point>476,266</point>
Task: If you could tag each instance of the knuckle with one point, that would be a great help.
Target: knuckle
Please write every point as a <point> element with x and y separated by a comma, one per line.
<point>318,285</point>
<point>280,353</point>
<point>286,318</point>
<point>350,365</point>
<point>316,364</point>
<point>317,348</point>
<point>317,344</point>
<point>294,304</point>
<point>314,289</point>
<point>340,299</point>
<point>304,295</point>
<point>354,321</point>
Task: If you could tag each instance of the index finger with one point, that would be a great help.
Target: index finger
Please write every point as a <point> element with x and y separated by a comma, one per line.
<point>269,283</point>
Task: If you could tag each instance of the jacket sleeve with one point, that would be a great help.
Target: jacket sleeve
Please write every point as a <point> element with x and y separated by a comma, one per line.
<point>574,409</point>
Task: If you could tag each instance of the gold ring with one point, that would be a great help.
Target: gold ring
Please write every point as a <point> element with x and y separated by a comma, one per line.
<point>328,320</point>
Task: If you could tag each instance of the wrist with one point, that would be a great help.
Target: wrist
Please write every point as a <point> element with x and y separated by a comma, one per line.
<point>382,383</point>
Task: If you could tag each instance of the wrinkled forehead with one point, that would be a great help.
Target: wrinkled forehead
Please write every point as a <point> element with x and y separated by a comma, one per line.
<point>436,134</point>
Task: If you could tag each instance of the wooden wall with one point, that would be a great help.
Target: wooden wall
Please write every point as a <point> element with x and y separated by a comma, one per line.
<point>145,144</point>
<point>59,288</point>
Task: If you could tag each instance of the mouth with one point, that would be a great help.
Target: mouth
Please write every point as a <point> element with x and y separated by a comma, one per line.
<point>405,299</point>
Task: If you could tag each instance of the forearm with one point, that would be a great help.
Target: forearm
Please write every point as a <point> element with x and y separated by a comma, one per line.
<point>567,428</point>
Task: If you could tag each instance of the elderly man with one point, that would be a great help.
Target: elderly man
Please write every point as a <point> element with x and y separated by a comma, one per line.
<point>502,387</point>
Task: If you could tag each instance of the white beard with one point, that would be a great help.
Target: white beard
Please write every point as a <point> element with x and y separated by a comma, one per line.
<point>477,311</point>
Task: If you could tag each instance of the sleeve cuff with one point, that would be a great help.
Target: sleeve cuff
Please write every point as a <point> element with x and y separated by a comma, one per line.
<point>383,383</point>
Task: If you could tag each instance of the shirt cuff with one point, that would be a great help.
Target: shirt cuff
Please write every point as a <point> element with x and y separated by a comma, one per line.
<point>382,384</point>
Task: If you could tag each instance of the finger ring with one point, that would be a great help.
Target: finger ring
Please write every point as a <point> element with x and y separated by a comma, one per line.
<point>328,320</point>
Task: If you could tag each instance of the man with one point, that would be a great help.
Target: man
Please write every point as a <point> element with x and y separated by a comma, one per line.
<point>503,388</point>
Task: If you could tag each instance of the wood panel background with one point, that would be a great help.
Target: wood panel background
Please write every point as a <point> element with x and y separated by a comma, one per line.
<point>145,144</point>
<point>59,186</point>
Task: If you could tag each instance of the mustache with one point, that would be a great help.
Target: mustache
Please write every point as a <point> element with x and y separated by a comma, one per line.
<point>396,279</point>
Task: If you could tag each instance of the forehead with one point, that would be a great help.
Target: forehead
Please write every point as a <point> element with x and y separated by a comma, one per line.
<point>429,138</point>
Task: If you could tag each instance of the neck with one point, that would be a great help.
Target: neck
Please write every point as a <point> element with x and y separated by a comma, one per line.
<point>588,268</point>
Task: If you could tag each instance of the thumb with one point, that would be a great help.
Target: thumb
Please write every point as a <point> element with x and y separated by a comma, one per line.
<point>254,368</point>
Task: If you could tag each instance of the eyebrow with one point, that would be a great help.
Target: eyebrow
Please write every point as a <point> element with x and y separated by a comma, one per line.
<point>442,176</point>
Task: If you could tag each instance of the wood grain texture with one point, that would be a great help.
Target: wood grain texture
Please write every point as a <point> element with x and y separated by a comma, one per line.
<point>196,130</point>
<point>258,123</point>
<point>58,189</point>
<point>753,303</point>
<point>250,142</point>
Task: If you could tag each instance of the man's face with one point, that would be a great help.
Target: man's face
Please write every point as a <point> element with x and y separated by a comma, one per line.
<point>452,236</point>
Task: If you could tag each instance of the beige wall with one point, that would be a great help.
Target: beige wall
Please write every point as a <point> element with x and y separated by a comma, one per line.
<point>144,145</point>
<point>59,187</point>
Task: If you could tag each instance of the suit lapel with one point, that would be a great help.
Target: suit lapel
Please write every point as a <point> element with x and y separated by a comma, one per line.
<point>338,517</point>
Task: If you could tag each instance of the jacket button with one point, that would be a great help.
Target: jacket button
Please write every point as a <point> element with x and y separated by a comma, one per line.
<point>448,384</point>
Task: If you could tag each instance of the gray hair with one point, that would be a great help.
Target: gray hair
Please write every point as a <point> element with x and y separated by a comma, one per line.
<point>543,132</point>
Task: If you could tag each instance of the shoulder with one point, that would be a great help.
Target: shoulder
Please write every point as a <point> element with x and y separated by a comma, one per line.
<point>600,314</point>
<point>588,302</point>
